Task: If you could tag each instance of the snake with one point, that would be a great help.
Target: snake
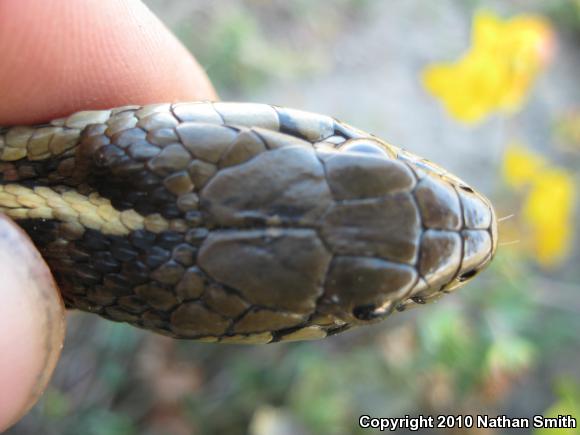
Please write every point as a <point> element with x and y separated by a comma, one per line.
<point>239,222</point>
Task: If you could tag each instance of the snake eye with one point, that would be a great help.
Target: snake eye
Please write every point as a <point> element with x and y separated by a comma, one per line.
<point>364,312</point>
<point>467,275</point>
<point>371,312</point>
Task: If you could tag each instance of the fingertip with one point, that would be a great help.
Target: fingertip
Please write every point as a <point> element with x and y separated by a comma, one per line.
<point>61,56</point>
<point>31,324</point>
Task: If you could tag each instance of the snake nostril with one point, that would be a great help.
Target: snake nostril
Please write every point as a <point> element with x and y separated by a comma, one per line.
<point>467,275</point>
<point>364,312</point>
<point>466,188</point>
<point>418,300</point>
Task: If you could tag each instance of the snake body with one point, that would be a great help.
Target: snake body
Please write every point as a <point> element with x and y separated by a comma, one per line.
<point>239,222</point>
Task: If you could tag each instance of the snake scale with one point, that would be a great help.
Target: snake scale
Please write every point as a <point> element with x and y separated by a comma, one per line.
<point>239,222</point>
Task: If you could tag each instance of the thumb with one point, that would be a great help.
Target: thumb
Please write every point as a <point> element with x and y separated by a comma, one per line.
<point>31,324</point>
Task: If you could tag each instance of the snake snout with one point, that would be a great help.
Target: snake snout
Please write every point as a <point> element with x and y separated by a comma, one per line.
<point>458,234</point>
<point>479,236</point>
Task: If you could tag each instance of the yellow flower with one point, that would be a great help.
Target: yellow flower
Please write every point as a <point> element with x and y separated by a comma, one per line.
<point>548,205</point>
<point>548,210</point>
<point>521,166</point>
<point>498,70</point>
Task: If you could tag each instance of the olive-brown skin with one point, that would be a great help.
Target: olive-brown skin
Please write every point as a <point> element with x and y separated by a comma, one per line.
<point>237,222</point>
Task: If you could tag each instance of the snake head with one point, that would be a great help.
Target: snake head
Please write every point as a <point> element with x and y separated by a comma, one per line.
<point>404,231</point>
<point>239,222</point>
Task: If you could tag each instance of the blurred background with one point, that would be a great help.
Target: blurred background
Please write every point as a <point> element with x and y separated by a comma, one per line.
<point>490,90</point>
